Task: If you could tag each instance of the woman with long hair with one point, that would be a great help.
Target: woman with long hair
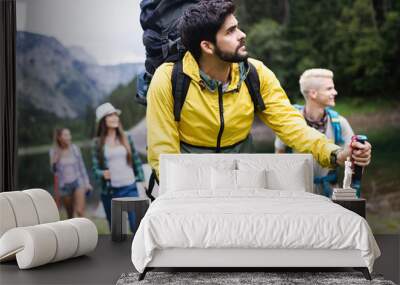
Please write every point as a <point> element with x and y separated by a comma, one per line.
<point>116,164</point>
<point>67,164</point>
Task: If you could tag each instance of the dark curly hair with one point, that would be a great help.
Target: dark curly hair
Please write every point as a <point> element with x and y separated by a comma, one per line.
<point>202,21</point>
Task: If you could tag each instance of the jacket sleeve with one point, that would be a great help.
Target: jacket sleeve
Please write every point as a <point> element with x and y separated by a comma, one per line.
<point>97,172</point>
<point>136,161</point>
<point>287,122</point>
<point>162,130</point>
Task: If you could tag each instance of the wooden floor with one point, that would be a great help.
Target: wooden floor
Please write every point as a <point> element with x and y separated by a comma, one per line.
<point>110,260</point>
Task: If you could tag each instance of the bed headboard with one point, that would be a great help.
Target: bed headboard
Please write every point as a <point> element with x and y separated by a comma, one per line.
<point>297,166</point>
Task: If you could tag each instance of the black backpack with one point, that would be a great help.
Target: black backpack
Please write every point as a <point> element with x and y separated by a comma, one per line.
<point>161,38</point>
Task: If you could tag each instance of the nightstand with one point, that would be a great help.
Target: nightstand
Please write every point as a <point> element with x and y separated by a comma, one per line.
<point>355,205</point>
<point>118,218</point>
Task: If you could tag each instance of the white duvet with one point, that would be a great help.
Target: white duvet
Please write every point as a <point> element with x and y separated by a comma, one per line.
<point>252,218</point>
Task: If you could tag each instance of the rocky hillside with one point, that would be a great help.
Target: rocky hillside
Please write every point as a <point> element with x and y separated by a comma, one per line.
<point>63,81</point>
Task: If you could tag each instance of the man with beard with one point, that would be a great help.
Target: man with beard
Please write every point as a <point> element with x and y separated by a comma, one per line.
<point>218,110</point>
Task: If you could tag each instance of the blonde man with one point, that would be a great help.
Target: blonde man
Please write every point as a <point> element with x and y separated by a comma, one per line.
<point>319,93</point>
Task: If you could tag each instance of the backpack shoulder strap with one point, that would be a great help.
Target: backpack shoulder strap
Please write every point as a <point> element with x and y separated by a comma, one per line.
<point>335,122</point>
<point>253,85</point>
<point>180,86</point>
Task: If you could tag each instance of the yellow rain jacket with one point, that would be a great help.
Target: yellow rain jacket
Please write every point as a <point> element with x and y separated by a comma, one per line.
<point>200,117</point>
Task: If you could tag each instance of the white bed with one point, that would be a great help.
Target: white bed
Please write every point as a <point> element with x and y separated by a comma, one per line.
<point>209,222</point>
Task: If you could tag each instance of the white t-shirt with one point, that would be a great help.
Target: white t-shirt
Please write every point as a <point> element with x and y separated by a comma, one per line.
<point>347,133</point>
<point>121,172</point>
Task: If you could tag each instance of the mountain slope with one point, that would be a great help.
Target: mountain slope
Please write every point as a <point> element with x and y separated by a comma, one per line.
<point>50,79</point>
<point>64,81</point>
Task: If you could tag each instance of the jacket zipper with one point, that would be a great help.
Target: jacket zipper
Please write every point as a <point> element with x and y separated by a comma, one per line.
<point>221,117</point>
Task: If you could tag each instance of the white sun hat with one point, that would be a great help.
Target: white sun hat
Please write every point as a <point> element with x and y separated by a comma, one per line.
<point>104,110</point>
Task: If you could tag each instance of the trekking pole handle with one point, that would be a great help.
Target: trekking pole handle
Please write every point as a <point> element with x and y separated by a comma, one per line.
<point>358,170</point>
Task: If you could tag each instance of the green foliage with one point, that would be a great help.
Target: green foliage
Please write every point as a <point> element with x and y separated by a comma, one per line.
<point>250,11</point>
<point>358,51</point>
<point>123,98</point>
<point>358,41</point>
<point>391,35</point>
<point>269,43</point>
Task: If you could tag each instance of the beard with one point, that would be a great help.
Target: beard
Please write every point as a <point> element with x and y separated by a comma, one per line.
<point>231,57</point>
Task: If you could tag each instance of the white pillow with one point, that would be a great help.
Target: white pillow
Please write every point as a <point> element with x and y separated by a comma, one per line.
<point>188,177</point>
<point>282,174</point>
<point>223,179</point>
<point>280,180</point>
<point>251,178</point>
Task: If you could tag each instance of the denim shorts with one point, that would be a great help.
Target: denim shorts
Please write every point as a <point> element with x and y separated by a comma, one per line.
<point>69,188</point>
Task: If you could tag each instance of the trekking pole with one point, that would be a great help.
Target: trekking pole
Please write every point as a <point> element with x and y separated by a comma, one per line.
<point>358,170</point>
<point>56,193</point>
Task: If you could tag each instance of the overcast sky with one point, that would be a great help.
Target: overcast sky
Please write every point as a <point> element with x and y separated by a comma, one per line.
<point>107,29</point>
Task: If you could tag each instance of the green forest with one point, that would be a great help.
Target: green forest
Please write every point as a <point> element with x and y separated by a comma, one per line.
<point>357,39</point>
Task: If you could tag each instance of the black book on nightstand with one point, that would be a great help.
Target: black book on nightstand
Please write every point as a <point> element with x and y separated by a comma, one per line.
<point>355,205</point>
